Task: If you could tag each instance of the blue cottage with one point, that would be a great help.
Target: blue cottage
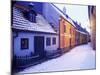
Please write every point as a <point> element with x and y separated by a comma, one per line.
<point>32,35</point>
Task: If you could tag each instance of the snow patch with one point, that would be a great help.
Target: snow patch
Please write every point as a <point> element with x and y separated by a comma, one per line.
<point>80,57</point>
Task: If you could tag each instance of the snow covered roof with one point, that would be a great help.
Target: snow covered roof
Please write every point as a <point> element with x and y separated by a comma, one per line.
<point>64,15</point>
<point>78,28</point>
<point>41,25</point>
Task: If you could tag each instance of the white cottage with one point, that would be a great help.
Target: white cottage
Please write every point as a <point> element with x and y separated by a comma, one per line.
<point>32,38</point>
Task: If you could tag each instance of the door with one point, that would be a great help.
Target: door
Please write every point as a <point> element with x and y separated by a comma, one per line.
<point>39,45</point>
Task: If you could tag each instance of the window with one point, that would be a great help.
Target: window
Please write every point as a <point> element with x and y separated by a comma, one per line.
<point>24,43</point>
<point>48,41</point>
<point>30,15</point>
<point>54,41</point>
<point>64,28</point>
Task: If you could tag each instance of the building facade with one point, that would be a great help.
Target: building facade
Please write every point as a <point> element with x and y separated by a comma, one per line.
<point>92,17</point>
<point>32,34</point>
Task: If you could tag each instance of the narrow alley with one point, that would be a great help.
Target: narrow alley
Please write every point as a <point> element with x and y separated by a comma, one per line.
<point>79,58</point>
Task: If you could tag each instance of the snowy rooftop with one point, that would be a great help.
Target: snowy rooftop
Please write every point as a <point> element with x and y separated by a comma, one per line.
<point>41,25</point>
<point>80,15</point>
<point>63,15</point>
<point>79,28</point>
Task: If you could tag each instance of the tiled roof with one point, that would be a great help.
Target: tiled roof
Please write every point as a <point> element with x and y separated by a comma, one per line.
<point>79,28</point>
<point>41,25</point>
<point>64,15</point>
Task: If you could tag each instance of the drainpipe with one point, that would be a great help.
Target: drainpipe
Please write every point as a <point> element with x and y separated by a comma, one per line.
<point>59,31</point>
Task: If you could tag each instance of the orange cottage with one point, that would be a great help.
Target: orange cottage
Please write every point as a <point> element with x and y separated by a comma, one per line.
<point>67,34</point>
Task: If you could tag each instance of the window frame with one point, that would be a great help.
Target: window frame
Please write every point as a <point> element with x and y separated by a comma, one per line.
<point>64,28</point>
<point>48,41</point>
<point>26,41</point>
<point>54,40</point>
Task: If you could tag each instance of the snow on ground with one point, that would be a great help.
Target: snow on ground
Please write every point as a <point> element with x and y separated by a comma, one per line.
<point>80,57</point>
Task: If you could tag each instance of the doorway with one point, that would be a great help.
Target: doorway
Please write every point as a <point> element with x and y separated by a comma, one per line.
<point>39,45</point>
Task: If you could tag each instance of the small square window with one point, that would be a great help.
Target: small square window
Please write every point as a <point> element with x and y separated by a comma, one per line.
<point>54,41</point>
<point>24,43</point>
<point>48,41</point>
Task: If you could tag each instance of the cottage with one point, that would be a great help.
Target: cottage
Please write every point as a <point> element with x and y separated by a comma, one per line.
<point>63,24</point>
<point>32,35</point>
<point>70,33</point>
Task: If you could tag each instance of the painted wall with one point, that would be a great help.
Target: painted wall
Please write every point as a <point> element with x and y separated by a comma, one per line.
<point>17,44</point>
<point>73,35</point>
<point>64,36</point>
<point>77,38</point>
<point>52,47</point>
<point>92,17</point>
